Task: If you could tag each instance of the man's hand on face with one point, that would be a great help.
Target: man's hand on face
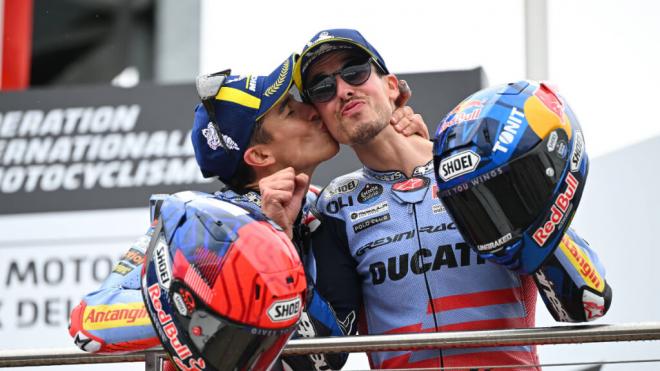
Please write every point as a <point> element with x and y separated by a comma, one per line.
<point>282,195</point>
<point>404,119</point>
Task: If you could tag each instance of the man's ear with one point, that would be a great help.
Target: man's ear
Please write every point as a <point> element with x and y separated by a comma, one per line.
<point>258,156</point>
<point>392,83</point>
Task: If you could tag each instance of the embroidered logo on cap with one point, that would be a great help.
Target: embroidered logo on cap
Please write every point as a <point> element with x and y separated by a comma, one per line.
<point>322,36</point>
<point>280,80</point>
<point>213,140</point>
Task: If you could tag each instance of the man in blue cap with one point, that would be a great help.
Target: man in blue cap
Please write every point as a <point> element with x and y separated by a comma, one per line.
<point>389,258</point>
<point>258,138</point>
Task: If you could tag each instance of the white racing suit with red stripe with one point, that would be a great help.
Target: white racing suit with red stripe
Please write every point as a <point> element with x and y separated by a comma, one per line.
<point>390,259</point>
<point>113,318</point>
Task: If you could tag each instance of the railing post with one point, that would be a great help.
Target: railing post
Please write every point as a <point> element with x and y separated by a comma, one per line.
<point>152,361</point>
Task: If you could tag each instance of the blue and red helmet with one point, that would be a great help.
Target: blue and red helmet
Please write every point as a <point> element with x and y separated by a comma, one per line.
<point>224,287</point>
<point>510,165</point>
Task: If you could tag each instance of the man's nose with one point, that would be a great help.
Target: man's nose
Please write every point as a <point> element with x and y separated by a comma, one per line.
<point>344,89</point>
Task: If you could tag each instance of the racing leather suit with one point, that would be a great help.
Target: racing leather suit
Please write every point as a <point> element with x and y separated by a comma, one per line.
<point>114,319</point>
<point>390,259</point>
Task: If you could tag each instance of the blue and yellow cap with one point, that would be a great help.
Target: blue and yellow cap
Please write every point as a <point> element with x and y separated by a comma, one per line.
<point>334,40</point>
<point>238,105</point>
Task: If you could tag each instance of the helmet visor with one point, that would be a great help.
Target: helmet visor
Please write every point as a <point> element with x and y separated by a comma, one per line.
<point>493,210</point>
<point>226,345</point>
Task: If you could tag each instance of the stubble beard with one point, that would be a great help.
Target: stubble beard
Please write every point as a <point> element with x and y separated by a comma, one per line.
<point>363,133</point>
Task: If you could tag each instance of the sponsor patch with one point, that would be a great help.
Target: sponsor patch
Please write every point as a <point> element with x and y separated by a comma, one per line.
<point>322,36</point>
<point>403,236</point>
<point>562,149</point>
<point>161,258</point>
<point>424,169</point>
<point>551,296</point>
<point>578,151</point>
<point>86,343</point>
<point>558,211</point>
<point>495,245</point>
<point>438,208</point>
<point>213,140</point>
<point>594,305</point>
<point>388,177</point>
<point>99,317</point>
<point>552,141</point>
<point>179,304</point>
<point>180,350</point>
<point>334,206</point>
<point>582,263</point>
<point>343,187</point>
<point>122,268</point>
<point>370,193</point>
<point>396,268</point>
<point>458,164</point>
<point>253,198</point>
<point>465,111</point>
<point>284,310</point>
<point>509,132</point>
<point>371,211</point>
<point>411,184</point>
<point>133,256</point>
<point>370,223</point>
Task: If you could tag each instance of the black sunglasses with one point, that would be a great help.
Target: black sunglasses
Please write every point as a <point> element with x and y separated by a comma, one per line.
<point>324,87</point>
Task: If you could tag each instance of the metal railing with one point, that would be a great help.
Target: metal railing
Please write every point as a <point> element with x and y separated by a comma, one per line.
<point>368,343</point>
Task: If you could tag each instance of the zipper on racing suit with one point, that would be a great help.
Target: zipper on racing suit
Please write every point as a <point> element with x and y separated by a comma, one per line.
<point>413,210</point>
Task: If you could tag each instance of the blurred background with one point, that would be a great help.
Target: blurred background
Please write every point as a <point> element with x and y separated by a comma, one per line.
<point>97,97</point>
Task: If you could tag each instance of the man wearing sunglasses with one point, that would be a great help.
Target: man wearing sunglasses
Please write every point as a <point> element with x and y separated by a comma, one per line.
<point>262,140</point>
<point>387,252</point>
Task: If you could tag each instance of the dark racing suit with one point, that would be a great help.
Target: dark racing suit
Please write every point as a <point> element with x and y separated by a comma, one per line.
<point>390,258</point>
<point>113,318</point>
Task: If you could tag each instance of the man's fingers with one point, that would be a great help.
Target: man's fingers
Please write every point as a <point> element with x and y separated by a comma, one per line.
<point>400,114</point>
<point>407,122</point>
<point>302,183</point>
<point>272,197</point>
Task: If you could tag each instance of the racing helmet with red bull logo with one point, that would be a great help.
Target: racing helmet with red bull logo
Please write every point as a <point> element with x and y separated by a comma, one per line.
<point>224,286</point>
<point>510,165</point>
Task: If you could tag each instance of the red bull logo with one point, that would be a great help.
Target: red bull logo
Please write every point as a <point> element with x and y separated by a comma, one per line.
<point>557,211</point>
<point>466,111</point>
<point>182,351</point>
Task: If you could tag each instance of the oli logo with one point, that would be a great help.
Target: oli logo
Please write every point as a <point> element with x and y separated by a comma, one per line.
<point>557,211</point>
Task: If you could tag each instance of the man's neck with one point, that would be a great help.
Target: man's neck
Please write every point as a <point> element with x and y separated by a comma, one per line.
<point>390,150</point>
